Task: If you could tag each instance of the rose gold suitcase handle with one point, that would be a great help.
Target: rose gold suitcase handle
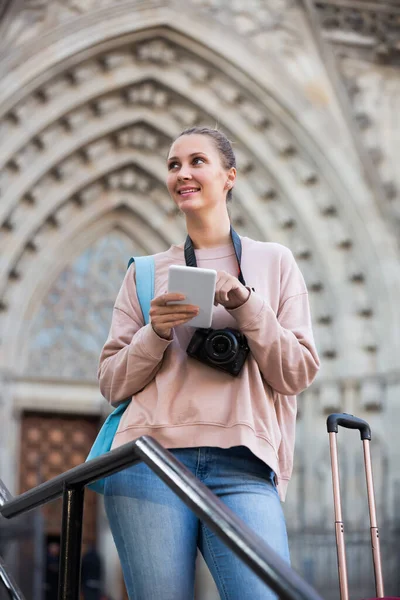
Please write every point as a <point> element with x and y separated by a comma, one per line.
<point>351,422</point>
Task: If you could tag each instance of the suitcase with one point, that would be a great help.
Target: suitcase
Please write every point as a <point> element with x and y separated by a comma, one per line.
<point>351,422</point>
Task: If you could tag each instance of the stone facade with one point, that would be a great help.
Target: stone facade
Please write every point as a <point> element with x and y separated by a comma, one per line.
<point>91,94</point>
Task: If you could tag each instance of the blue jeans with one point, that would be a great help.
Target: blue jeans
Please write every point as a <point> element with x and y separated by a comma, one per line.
<point>157,535</point>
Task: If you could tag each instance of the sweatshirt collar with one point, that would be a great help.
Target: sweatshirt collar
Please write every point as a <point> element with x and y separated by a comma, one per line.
<point>204,253</point>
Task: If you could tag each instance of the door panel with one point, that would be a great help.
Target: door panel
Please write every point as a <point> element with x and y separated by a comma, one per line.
<point>51,444</point>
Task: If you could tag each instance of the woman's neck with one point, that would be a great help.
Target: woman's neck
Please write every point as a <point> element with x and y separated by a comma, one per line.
<point>211,232</point>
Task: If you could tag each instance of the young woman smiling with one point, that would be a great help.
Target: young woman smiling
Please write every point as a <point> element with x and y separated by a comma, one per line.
<point>236,434</point>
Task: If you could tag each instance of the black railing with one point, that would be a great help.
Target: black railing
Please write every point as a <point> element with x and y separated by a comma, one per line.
<point>274,571</point>
<point>9,584</point>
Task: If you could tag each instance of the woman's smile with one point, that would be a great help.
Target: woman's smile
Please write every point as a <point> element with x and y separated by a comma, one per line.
<point>187,191</point>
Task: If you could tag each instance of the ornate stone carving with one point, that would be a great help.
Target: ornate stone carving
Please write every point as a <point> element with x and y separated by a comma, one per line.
<point>331,397</point>
<point>267,25</point>
<point>129,179</point>
<point>372,394</point>
<point>376,25</point>
<point>35,17</point>
<point>156,51</point>
<point>374,100</point>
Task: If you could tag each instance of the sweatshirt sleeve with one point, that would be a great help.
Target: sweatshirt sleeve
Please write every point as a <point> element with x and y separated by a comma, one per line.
<point>282,343</point>
<point>133,352</point>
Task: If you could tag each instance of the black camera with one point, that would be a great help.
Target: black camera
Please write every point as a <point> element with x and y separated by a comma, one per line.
<point>224,349</point>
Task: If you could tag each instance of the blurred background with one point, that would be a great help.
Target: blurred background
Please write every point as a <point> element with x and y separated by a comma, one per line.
<point>91,95</point>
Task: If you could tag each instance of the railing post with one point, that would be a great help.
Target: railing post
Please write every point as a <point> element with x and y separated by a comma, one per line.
<point>71,542</point>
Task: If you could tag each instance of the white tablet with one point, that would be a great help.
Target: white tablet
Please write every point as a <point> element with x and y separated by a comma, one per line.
<point>198,286</point>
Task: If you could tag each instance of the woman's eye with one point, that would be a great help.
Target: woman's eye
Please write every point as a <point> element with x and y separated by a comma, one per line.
<point>172,165</point>
<point>198,158</point>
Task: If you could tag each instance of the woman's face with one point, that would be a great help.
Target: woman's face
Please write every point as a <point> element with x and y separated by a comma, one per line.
<point>196,177</point>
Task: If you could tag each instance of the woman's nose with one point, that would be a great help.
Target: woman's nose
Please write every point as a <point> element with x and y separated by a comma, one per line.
<point>184,174</point>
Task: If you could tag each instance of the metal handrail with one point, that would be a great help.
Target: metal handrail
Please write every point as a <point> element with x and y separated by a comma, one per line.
<point>9,584</point>
<point>264,561</point>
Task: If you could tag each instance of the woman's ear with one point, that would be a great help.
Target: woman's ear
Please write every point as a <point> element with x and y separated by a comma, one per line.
<point>231,178</point>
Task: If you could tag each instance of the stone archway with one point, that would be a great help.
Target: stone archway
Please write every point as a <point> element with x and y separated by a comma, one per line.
<point>86,118</point>
<point>121,107</point>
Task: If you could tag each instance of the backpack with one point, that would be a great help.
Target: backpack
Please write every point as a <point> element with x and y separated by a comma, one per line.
<point>144,266</point>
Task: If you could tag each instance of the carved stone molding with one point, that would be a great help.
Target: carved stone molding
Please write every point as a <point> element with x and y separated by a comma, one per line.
<point>366,42</point>
<point>371,27</point>
<point>266,25</point>
<point>374,94</point>
<point>32,18</point>
<point>364,37</point>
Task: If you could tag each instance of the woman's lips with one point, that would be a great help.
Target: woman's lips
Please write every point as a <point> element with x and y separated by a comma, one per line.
<point>188,191</point>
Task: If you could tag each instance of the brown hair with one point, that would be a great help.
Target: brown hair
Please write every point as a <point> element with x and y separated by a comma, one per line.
<point>222,144</point>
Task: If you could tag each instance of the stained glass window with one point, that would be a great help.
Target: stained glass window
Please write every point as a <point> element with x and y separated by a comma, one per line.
<point>73,321</point>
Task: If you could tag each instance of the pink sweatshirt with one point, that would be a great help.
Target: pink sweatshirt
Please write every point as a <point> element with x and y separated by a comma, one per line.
<point>184,403</point>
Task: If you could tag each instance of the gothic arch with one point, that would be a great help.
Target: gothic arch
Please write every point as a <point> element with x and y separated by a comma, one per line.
<point>64,245</point>
<point>92,287</point>
<point>146,84</point>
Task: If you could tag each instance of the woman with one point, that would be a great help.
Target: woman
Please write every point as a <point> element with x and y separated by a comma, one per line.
<point>236,434</point>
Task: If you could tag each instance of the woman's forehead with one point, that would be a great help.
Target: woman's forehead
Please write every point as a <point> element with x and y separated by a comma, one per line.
<point>189,144</point>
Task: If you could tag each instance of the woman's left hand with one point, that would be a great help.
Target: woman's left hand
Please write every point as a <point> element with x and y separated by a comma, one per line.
<point>229,291</point>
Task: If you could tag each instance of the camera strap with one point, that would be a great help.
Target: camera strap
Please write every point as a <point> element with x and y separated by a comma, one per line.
<point>190,256</point>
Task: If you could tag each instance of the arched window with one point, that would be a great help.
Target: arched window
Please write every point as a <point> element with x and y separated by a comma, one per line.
<point>73,322</point>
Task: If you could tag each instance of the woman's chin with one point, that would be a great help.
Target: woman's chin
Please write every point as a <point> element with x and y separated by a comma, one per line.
<point>190,205</point>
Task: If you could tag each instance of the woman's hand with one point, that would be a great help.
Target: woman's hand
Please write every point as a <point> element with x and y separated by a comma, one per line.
<point>164,317</point>
<point>229,291</point>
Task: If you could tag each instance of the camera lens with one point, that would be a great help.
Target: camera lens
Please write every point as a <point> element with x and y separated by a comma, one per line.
<point>221,346</point>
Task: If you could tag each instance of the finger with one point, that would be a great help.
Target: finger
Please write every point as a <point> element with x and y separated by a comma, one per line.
<point>225,293</point>
<point>165,298</point>
<point>173,310</point>
<point>181,322</point>
<point>172,323</point>
<point>221,297</point>
<point>220,283</point>
<point>163,319</point>
<point>168,315</point>
<point>224,289</point>
<point>173,307</point>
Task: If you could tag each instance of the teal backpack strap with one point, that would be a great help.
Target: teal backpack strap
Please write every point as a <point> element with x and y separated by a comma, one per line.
<point>144,266</point>
<point>144,269</point>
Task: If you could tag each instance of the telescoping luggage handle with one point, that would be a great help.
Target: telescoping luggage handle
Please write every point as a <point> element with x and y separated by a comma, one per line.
<point>351,422</point>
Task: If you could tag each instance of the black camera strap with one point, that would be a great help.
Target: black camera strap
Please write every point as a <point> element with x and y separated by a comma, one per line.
<point>190,256</point>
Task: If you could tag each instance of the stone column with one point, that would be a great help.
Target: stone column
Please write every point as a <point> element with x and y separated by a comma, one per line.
<point>8,435</point>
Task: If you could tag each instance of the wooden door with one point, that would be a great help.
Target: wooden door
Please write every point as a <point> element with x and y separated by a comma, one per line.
<point>51,444</point>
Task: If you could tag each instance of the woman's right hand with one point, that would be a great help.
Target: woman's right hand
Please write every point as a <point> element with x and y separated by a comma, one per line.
<point>164,317</point>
